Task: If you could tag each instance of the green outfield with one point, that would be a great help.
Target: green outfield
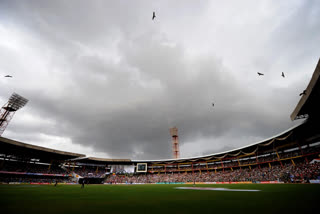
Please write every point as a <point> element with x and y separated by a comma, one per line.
<point>99,199</point>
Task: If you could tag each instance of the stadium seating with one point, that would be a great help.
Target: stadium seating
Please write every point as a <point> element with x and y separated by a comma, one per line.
<point>301,172</point>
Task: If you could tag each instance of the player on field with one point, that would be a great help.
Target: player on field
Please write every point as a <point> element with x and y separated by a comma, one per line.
<point>82,183</point>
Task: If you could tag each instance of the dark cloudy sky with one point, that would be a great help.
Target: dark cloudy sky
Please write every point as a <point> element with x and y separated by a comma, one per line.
<point>105,80</point>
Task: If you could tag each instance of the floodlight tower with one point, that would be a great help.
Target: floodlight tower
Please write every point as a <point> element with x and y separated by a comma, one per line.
<point>9,109</point>
<point>175,142</point>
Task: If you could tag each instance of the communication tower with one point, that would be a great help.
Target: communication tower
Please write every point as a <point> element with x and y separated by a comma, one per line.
<point>9,109</point>
<point>175,142</point>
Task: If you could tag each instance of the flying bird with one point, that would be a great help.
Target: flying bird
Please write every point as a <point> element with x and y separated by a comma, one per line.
<point>282,75</point>
<point>154,15</point>
<point>303,93</point>
<point>260,74</point>
<point>212,104</point>
<point>8,76</point>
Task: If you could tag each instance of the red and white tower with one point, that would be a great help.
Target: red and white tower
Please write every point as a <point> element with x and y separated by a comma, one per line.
<point>175,142</point>
<point>7,111</point>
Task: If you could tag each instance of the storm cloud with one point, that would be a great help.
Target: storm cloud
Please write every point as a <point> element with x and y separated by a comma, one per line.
<point>103,79</point>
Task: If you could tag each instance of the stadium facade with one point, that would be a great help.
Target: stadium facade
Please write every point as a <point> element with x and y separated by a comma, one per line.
<point>289,151</point>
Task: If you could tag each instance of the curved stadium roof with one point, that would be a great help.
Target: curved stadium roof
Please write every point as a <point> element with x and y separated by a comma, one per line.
<point>13,149</point>
<point>308,104</point>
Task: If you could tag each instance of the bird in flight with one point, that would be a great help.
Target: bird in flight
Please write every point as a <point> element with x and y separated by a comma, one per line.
<point>260,74</point>
<point>212,104</point>
<point>154,15</point>
<point>8,76</point>
<point>303,93</point>
<point>282,75</point>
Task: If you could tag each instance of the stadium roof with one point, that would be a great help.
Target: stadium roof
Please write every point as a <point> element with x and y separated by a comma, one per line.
<point>309,103</point>
<point>15,149</point>
<point>99,160</point>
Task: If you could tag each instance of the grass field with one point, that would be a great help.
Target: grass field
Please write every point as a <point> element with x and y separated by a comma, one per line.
<point>99,199</point>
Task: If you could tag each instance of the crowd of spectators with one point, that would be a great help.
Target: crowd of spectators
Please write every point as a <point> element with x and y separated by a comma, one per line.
<point>33,179</point>
<point>259,159</point>
<point>28,167</point>
<point>9,167</point>
<point>15,166</point>
<point>301,172</point>
<point>252,169</point>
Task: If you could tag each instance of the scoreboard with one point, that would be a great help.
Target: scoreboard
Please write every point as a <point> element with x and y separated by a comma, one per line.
<point>141,167</point>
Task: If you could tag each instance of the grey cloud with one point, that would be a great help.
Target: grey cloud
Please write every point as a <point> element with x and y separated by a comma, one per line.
<point>110,79</point>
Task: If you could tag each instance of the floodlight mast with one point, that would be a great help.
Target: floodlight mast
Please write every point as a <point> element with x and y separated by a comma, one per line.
<point>15,103</point>
<point>175,142</point>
